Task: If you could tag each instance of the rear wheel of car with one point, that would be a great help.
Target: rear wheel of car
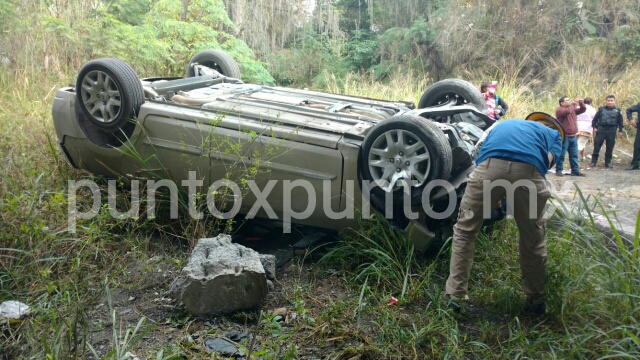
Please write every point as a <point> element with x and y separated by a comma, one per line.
<point>217,60</point>
<point>444,91</point>
<point>406,148</point>
<point>109,93</point>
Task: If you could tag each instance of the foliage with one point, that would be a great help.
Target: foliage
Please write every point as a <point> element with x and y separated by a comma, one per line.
<point>360,53</point>
<point>303,64</point>
<point>130,11</point>
<point>6,11</point>
<point>356,15</point>
<point>157,37</point>
<point>413,46</point>
<point>627,40</point>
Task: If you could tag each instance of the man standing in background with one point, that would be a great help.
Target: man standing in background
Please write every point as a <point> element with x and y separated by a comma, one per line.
<point>567,115</point>
<point>635,162</point>
<point>584,126</point>
<point>607,120</point>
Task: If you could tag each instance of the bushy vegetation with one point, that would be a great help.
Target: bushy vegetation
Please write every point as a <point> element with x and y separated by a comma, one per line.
<point>441,39</point>
<point>593,307</point>
<point>156,37</point>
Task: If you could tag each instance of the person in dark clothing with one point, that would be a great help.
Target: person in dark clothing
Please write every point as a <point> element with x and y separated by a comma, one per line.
<point>635,162</point>
<point>607,120</point>
<point>567,115</point>
<point>495,104</point>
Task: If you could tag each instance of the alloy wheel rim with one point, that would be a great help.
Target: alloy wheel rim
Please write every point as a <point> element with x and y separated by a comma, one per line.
<point>398,155</point>
<point>101,96</point>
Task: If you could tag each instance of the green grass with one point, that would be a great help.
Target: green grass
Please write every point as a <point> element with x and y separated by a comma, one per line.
<point>593,288</point>
<point>593,295</point>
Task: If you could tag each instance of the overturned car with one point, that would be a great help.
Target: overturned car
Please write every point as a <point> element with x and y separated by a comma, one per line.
<point>295,156</point>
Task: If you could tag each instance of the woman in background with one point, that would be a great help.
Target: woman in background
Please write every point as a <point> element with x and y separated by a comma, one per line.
<point>495,104</point>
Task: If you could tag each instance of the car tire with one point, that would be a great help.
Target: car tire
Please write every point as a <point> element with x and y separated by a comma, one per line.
<point>109,93</point>
<point>427,154</point>
<point>217,60</point>
<point>442,91</point>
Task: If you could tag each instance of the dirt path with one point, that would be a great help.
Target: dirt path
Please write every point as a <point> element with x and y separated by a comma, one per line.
<point>618,188</point>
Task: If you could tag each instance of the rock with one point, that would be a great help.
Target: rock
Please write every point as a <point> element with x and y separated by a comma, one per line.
<point>270,285</point>
<point>269,265</point>
<point>235,335</point>
<point>221,346</point>
<point>221,277</point>
<point>125,312</point>
<point>130,356</point>
<point>13,309</point>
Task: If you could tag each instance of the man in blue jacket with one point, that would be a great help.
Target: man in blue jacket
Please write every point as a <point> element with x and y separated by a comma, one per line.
<point>516,165</point>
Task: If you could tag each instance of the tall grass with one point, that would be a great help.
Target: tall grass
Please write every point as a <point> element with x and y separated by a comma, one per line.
<point>41,263</point>
<point>399,87</point>
<point>593,295</point>
<point>382,256</point>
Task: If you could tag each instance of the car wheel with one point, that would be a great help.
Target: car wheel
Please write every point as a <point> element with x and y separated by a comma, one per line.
<point>443,91</point>
<point>217,60</point>
<point>109,93</point>
<point>406,148</point>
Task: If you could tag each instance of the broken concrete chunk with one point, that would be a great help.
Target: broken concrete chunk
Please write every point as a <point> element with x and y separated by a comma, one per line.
<point>269,265</point>
<point>221,277</point>
<point>221,347</point>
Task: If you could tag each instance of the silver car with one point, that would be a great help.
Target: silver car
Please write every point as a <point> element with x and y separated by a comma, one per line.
<point>216,127</point>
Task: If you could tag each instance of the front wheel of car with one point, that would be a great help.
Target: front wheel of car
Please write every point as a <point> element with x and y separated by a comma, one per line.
<point>217,60</point>
<point>109,93</point>
<point>405,148</point>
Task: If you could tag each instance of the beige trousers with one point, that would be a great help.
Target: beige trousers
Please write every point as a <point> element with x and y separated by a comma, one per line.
<point>530,221</point>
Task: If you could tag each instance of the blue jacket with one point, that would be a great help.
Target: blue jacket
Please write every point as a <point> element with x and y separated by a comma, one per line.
<point>524,141</point>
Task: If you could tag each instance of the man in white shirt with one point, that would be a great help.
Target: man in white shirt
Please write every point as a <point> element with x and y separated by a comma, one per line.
<point>585,130</point>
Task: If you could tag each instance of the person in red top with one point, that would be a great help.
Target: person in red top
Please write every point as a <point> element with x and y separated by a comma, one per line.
<point>567,114</point>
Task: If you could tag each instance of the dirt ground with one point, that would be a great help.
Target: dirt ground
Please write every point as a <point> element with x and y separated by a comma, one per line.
<point>143,293</point>
<point>618,188</point>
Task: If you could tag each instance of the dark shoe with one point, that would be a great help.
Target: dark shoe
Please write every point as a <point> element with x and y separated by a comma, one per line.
<point>535,306</point>
<point>578,174</point>
<point>453,303</point>
<point>559,173</point>
<point>634,167</point>
<point>592,164</point>
<point>609,166</point>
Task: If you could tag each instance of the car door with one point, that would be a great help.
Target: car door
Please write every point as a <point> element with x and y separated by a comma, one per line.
<point>266,160</point>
